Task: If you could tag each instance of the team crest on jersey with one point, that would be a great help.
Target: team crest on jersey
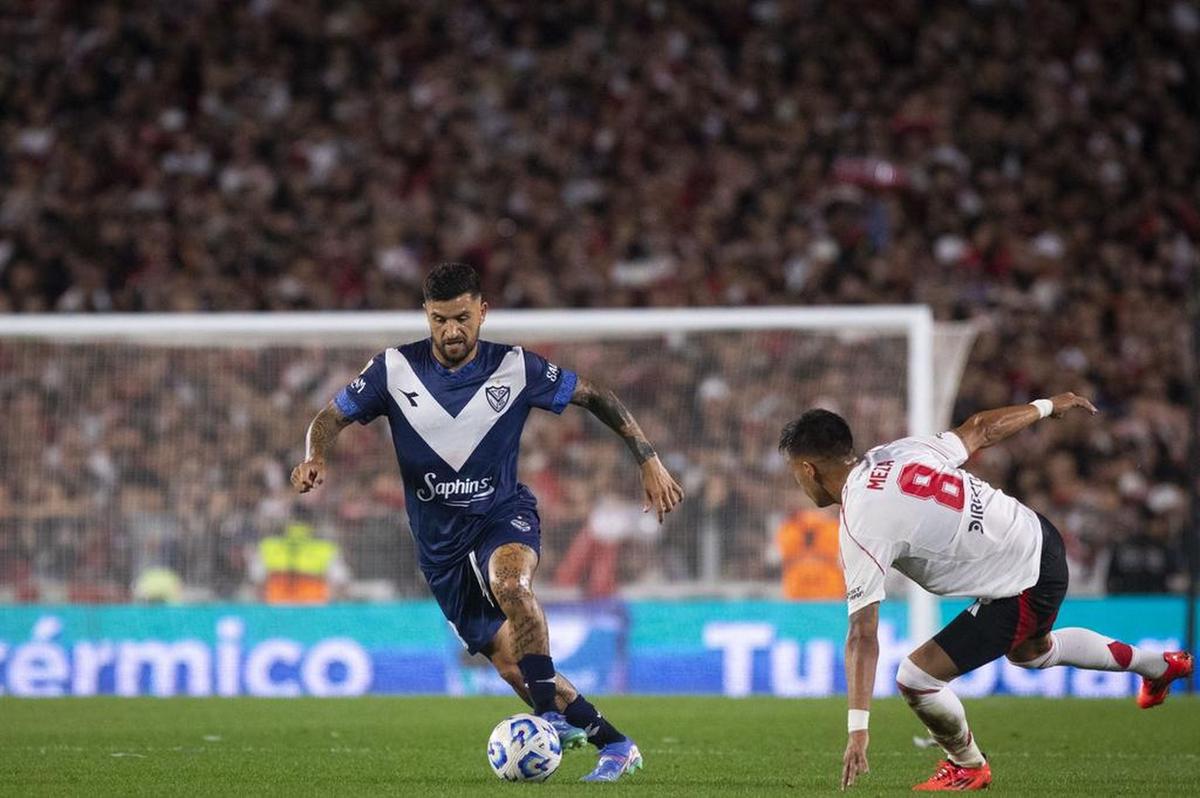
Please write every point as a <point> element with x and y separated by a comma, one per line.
<point>497,396</point>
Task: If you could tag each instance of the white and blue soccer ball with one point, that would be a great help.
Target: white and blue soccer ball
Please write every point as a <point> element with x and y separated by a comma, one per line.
<point>524,748</point>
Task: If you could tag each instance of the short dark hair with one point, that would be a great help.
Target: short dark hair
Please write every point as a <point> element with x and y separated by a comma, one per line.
<point>450,280</point>
<point>817,433</point>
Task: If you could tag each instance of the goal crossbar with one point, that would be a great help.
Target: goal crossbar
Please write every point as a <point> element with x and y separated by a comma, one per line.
<point>183,328</point>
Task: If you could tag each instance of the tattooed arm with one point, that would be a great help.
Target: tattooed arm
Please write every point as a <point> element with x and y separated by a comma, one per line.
<point>322,432</point>
<point>604,405</point>
<point>662,491</point>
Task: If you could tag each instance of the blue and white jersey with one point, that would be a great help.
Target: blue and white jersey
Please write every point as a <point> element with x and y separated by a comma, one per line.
<point>457,434</point>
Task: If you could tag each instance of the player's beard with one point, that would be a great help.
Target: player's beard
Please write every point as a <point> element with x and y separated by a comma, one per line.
<point>458,351</point>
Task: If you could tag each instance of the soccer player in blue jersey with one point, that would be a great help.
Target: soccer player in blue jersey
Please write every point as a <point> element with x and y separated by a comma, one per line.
<point>457,406</point>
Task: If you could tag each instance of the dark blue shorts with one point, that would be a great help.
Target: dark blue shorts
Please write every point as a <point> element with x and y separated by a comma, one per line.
<point>462,589</point>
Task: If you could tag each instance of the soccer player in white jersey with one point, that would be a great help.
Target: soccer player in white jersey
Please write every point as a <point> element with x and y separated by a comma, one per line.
<point>908,505</point>
<point>456,406</point>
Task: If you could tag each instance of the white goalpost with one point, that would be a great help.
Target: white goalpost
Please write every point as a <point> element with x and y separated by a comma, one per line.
<point>135,399</point>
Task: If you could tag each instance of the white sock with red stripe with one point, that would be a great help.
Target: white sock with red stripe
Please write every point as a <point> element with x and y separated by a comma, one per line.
<point>1084,648</point>
<point>942,713</point>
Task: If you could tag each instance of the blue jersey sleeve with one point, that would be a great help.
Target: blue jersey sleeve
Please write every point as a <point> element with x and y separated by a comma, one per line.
<point>546,385</point>
<point>366,396</point>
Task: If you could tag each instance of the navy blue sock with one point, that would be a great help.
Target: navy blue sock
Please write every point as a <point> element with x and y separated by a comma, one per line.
<point>537,671</point>
<point>583,715</point>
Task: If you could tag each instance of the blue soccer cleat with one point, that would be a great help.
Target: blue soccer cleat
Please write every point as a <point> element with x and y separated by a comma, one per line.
<point>616,759</point>
<point>568,736</point>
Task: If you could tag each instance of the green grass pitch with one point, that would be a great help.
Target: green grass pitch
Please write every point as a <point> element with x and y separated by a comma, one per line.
<point>693,746</point>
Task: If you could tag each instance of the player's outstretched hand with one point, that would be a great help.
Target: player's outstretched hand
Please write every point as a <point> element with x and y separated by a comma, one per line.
<point>663,493</point>
<point>308,475</point>
<point>854,763</point>
<point>1065,401</point>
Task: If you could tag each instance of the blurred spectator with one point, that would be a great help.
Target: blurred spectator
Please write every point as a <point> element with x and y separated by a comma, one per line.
<point>808,547</point>
<point>1145,561</point>
<point>158,585</point>
<point>1035,169</point>
<point>298,568</point>
<point>593,558</point>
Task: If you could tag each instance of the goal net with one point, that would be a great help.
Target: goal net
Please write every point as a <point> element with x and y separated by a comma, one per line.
<point>149,455</point>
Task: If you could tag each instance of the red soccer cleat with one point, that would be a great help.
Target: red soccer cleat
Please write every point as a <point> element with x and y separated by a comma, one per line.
<point>950,777</point>
<point>1154,691</point>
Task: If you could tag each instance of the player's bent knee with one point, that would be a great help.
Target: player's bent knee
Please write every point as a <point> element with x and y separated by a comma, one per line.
<point>1034,664</point>
<point>1033,654</point>
<point>914,684</point>
<point>513,592</point>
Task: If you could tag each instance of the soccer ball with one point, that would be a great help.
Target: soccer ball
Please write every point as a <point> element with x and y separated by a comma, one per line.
<point>524,748</point>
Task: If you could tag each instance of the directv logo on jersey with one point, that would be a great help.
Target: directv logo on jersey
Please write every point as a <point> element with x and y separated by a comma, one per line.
<point>457,492</point>
<point>976,522</point>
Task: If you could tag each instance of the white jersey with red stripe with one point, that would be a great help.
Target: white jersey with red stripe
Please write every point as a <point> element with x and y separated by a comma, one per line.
<point>908,505</point>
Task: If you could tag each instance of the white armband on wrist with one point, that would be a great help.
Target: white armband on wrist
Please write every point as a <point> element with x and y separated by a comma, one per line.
<point>857,720</point>
<point>1044,406</point>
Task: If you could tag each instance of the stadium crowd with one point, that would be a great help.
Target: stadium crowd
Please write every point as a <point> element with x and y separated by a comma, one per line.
<point>176,457</point>
<point>1032,167</point>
